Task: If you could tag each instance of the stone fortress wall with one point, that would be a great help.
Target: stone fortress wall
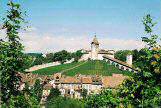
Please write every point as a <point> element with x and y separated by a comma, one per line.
<point>37,67</point>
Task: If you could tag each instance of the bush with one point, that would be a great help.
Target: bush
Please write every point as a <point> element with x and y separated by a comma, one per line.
<point>106,98</point>
<point>144,88</point>
<point>54,92</point>
<point>64,102</point>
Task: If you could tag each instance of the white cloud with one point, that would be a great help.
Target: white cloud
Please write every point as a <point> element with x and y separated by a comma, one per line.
<point>118,44</point>
<point>49,43</point>
<point>36,42</point>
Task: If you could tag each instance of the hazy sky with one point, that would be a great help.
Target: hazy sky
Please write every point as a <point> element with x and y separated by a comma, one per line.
<point>71,24</point>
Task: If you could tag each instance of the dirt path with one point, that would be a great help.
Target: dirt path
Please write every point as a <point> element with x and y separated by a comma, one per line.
<point>73,67</point>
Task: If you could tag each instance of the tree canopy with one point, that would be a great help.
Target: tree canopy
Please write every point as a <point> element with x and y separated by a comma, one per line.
<point>13,61</point>
<point>144,89</point>
<point>11,54</point>
<point>121,54</point>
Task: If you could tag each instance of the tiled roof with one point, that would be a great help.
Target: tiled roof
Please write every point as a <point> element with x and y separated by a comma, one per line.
<point>31,82</point>
<point>30,78</point>
<point>96,80</point>
<point>70,80</point>
<point>47,86</point>
<point>86,80</point>
<point>95,41</point>
<point>107,81</point>
<point>113,81</point>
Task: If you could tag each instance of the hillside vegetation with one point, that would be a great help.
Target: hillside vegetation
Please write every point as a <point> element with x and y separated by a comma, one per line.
<point>92,67</point>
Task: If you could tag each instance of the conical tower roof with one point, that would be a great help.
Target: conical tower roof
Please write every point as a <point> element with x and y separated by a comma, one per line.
<point>95,41</point>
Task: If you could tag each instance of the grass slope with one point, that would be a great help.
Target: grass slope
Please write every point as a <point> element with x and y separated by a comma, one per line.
<point>96,67</point>
<point>85,68</point>
<point>54,69</point>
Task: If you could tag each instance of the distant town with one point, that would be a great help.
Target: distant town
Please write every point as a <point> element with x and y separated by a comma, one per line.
<point>72,85</point>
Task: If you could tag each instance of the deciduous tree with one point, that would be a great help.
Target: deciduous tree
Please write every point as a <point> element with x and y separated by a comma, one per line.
<point>38,90</point>
<point>11,55</point>
<point>54,92</point>
<point>144,88</point>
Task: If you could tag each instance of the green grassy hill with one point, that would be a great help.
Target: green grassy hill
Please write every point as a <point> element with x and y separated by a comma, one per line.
<point>86,68</point>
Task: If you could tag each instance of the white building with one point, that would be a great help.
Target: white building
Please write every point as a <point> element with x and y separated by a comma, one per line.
<point>129,59</point>
<point>95,53</point>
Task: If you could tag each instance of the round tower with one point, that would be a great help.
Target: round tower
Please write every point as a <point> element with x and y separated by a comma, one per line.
<point>129,59</point>
<point>94,48</point>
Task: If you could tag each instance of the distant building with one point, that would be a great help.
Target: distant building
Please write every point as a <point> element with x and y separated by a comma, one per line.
<point>95,53</point>
<point>73,86</point>
<point>120,64</point>
<point>108,55</point>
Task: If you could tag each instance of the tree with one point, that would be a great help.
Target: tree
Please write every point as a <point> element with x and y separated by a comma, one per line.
<point>144,88</point>
<point>11,54</point>
<point>21,101</point>
<point>84,93</point>
<point>62,56</point>
<point>135,54</point>
<point>38,90</point>
<point>38,60</point>
<point>54,92</point>
<point>50,57</point>
<point>121,54</point>
<point>28,61</point>
<point>106,99</point>
<point>27,89</point>
<point>64,102</point>
<point>12,61</point>
<point>77,55</point>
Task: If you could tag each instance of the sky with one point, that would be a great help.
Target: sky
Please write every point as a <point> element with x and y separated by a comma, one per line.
<point>55,25</point>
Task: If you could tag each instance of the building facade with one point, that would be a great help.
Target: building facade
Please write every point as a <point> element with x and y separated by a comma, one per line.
<point>73,86</point>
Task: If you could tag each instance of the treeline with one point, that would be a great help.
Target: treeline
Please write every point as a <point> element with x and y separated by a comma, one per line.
<point>61,56</point>
<point>121,55</point>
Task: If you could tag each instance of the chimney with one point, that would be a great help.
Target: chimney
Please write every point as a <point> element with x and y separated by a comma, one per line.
<point>129,59</point>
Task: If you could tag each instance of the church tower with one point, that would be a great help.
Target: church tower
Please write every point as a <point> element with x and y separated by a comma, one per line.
<point>94,48</point>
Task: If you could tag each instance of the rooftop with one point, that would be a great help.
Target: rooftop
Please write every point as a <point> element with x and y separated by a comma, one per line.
<point>71,80</point>
<point>95,41</point>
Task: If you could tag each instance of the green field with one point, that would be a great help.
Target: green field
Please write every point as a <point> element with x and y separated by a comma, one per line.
<point>54,69</point>
<point>85,68</point>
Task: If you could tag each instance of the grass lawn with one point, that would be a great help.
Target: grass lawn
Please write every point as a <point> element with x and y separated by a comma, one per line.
<point>85,68</point>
